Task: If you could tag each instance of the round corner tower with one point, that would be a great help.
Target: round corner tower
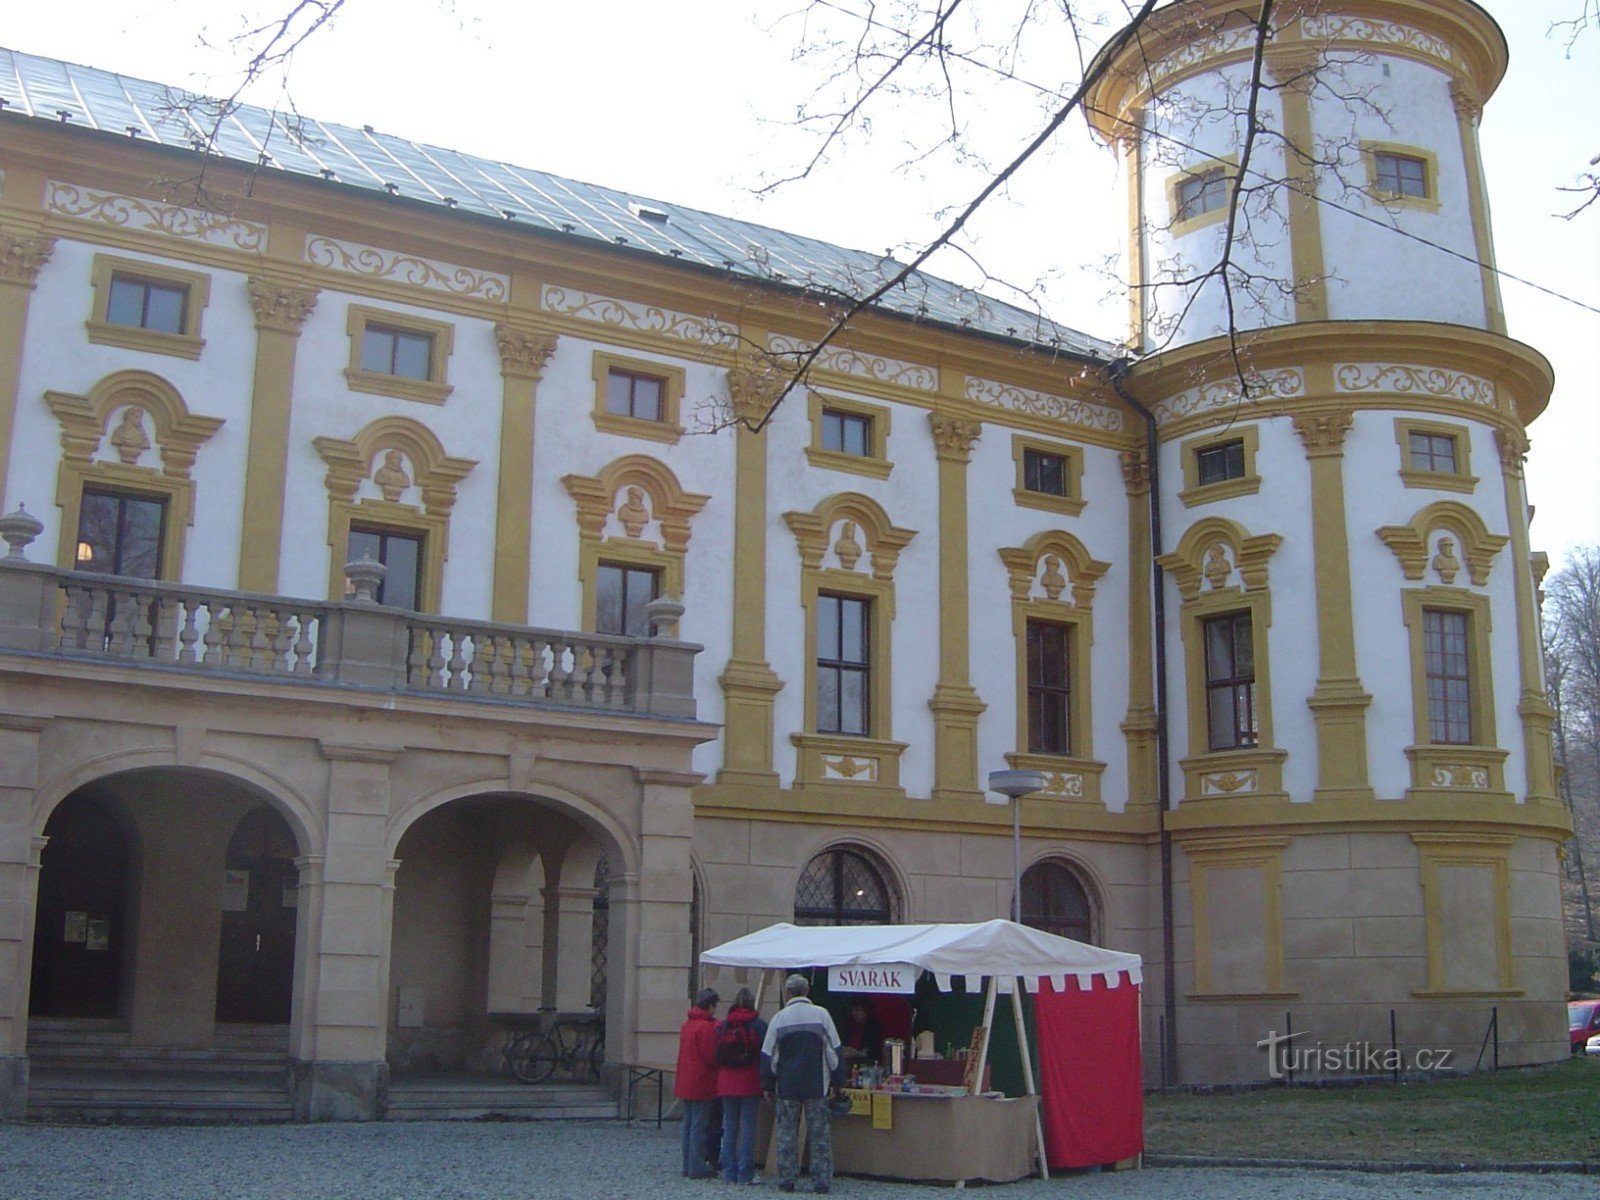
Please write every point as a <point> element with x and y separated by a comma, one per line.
<point>1363,809</point>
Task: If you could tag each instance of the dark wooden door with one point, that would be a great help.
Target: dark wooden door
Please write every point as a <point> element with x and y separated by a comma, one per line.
<point>255,963</point>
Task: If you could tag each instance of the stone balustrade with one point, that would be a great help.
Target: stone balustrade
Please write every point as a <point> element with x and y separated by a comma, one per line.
<point>134,622</point>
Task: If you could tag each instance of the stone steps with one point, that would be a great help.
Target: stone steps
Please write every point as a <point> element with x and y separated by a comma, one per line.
<point>490,1098</point>
<point>157,1095</point>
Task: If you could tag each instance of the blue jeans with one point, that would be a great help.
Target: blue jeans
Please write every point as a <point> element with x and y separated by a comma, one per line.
<point>695,1113</point>
<point>739,1138</point>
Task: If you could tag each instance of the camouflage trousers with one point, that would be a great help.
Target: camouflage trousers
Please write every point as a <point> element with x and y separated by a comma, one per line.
<point>818,1135</point>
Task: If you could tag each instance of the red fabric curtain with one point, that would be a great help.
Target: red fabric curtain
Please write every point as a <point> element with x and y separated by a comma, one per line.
<point>1090,1074</point>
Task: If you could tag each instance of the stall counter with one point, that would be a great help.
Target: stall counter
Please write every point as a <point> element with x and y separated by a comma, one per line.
<point>941,1139</point>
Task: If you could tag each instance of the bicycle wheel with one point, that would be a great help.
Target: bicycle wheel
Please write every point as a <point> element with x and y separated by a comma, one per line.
<point>520,1057</point>
<point>547,1053</point>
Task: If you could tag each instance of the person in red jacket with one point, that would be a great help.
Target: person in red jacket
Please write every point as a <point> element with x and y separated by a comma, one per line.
<point>739,1038</point>
<point>696,1081</point>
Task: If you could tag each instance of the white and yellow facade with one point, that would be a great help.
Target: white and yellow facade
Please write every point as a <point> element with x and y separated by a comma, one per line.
<point>448,808</point>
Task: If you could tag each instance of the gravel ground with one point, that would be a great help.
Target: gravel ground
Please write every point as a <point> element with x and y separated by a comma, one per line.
<point>582,1160</point>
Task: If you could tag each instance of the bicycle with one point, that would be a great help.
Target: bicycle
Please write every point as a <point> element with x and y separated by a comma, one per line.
<point>574,1044</point>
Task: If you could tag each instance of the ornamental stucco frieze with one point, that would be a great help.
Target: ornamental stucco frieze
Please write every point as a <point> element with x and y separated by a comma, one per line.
<point>1066,409</point>
<point>150,216</point>
<point>1194,53</point>
<point>1414,379</point>
<point>639,318</point>
<point>876,367</point>
<point>1333,27</point>
<point>1267,387</point>
<point>377,263</point>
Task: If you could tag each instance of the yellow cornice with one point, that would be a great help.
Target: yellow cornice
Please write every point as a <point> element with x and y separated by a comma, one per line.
<point>1478,47</point>
<point>1523,377</point>
<point>801,806</point>
<point>1443,814</point>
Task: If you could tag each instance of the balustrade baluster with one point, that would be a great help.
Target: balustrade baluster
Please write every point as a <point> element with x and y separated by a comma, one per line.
<point>189,634</point>
<point>520,683</point>
<point>485,648</point>
<point>260,645</point>
<point>556,682</point>
<point>75,618</point>
<point>282,640</point>
<point>436,659</point>
<point>165,635</point>
<point>119,630</point>
<point>213,637</point>
<point>458,664</point>
<point>416,663</point>
<point>617,678</point>
<point>304,647</point>
<point>236,645</point>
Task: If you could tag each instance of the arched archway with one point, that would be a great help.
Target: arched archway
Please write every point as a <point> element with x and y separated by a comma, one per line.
<point>500,914</point>
<point>844,885</point>
<point>255,956</point>
<point>1056,899</point>
<point>82,934</point>
<point>208,868</point>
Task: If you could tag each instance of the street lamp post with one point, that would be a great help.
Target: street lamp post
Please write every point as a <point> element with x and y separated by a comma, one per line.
<point>1014,785</point>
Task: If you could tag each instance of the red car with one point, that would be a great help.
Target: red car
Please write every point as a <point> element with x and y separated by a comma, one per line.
<point>1583,1022</point>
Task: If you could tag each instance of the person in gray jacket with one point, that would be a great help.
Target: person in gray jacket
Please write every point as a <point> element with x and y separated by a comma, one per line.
<point>800,1065</point>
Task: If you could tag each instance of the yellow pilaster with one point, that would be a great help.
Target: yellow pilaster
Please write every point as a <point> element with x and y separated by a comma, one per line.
<point>1139,726</point>
<point>1469,109</point>
<point>1294,68</point>
<point>1137,283</point>
<point>23,252</point>
<point>524,351</point>
<point>749,682</point>
<point>1534,708</point>
<point>281,308</point>
<point>955,704</point>
<point>1339,703</point>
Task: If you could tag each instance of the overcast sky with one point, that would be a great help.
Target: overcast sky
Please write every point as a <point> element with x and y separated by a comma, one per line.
<point>688,103</point>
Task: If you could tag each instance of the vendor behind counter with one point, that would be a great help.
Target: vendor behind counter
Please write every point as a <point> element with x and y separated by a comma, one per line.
<point>951,1016</point>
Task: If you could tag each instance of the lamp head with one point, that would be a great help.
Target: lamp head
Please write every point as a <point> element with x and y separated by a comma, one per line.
<point>1015,784</point>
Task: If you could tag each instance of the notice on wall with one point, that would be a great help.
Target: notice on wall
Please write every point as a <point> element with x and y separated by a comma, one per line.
<point>97,934</point>
<point>235,890</point>
<point>77,927</point>
<point>291,892</point>
<point>880,977</point>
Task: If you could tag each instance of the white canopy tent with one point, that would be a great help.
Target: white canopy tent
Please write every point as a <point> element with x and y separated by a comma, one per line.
<point>984,949</point>
<point>1002,952</point>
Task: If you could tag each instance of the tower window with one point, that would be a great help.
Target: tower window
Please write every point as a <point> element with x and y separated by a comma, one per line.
<point>846,433</point>
<point>1435,452</point>
<point>399,352</point>
<point>1230,682</point>
<point>1400,174</point>
<point>1201,193</point>
<point>633,394</point>
<point>1045,473</point>
<point>1445,659</point>
<point>142,304</point>
<point>1223,461</point>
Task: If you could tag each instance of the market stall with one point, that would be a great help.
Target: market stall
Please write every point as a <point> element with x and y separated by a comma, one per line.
<point>1086,1009</point>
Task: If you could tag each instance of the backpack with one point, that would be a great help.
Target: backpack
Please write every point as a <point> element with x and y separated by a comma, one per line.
<point>736,1044</point>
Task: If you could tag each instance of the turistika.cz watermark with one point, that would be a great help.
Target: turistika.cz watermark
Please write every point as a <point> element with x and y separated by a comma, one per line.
<point>1286,1057</point>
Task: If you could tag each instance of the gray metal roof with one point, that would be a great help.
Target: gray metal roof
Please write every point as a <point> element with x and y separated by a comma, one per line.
<point>378,162</point>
